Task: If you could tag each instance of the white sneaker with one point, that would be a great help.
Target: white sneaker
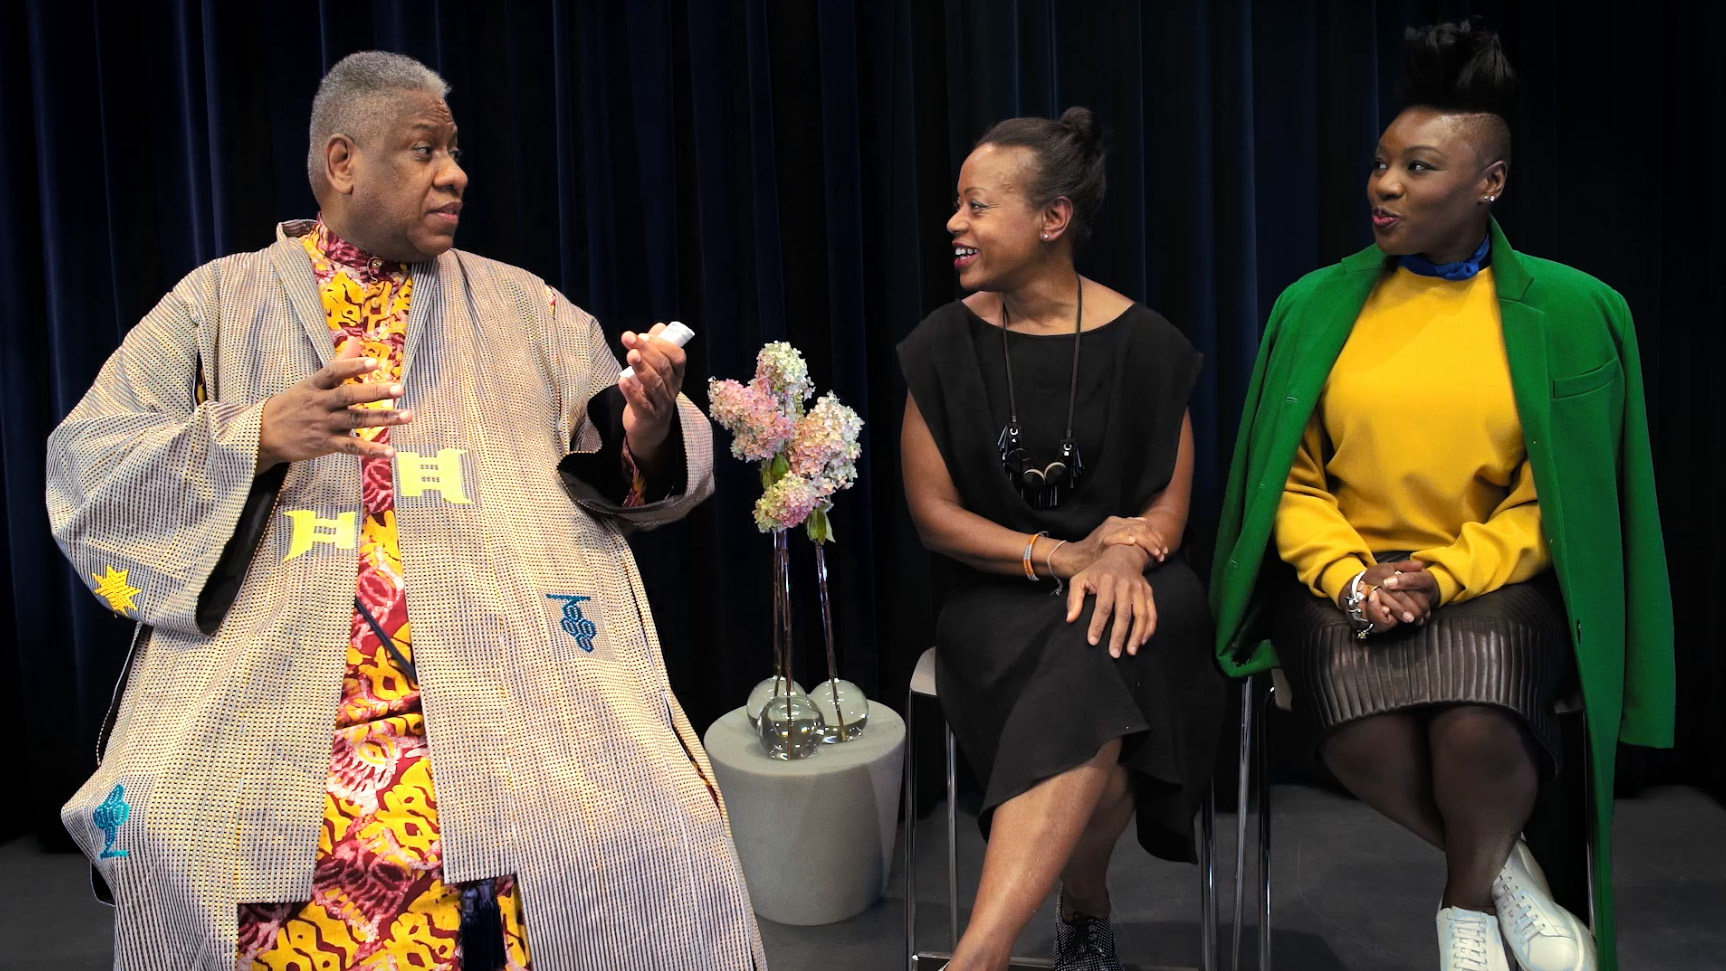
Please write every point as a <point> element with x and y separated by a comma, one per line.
<point>1468,941</point>
<point>1542,935</point>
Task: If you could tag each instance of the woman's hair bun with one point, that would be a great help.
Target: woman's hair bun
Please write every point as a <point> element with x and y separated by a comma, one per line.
<point>1457,67</point>
<point>1083,124</point>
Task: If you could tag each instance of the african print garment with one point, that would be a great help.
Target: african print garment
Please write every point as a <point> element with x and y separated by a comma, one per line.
<point>379,902</point>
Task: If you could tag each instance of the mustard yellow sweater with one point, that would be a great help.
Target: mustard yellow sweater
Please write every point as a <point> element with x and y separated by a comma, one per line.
<point>1415,445</point>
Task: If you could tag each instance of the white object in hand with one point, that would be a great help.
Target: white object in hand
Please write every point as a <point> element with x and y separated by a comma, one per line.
<point>675,332</point>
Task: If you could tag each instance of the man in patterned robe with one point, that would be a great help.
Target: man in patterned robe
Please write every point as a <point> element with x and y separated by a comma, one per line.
<point>395,698</point>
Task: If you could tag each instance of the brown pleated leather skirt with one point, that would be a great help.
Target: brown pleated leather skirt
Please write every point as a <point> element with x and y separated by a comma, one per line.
<point>1509,649</point>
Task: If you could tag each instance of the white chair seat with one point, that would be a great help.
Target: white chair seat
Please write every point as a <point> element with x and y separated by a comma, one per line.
<point>923,678</point>
<point>1283,697</point>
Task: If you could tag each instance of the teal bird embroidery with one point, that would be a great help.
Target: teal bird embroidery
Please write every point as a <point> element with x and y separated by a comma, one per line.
<point>109,817</point>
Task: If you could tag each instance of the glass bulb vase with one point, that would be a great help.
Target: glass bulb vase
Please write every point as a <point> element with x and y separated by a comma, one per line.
<point>843,707</point>
<point>774,687</point>
<point>791,727</point>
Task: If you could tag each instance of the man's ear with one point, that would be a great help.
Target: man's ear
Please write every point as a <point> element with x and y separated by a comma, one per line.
<point>339,164</point>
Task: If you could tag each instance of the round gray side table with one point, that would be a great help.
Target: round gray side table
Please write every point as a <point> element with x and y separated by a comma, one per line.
<point>815,836</point>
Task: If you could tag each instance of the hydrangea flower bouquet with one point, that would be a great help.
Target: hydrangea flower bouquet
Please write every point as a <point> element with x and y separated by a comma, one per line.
<point>807,455</point>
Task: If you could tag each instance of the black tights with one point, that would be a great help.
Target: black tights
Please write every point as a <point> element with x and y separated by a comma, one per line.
<point>1463,778</point>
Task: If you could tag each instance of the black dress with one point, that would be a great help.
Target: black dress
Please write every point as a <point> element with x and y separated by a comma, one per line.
<point>1026,695</point>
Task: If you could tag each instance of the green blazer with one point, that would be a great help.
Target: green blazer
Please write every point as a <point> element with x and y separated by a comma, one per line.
<point>1578,386</point>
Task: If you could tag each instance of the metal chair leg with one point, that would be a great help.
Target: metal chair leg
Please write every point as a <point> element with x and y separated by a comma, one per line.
<point>1590,817</point>
<point>910,836</point>
<point>1208,879</point>
<point>1242,785</point>
<point>1264,810</point>
<point>952,842</point>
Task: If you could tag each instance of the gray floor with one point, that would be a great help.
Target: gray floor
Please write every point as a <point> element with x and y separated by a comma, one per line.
<point>1353,892</point>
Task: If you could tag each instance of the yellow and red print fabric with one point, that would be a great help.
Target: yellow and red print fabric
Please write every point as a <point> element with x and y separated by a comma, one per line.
<point>379,902</point>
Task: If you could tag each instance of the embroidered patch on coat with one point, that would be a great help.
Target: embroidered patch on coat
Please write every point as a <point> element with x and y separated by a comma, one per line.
<point>448,476</point>
<point>112,587</point>
<point>340,532</point>
<point>109,817</point>
<point>573,622</point>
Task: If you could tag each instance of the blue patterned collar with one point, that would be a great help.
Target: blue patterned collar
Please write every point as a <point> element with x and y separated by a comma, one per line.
<point>1459,270</point>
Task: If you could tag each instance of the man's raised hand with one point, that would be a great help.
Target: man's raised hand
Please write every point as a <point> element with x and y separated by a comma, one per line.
<point>318,415</point>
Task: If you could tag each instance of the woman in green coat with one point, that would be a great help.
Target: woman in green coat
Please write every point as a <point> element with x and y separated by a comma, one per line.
<point>1441,520</point>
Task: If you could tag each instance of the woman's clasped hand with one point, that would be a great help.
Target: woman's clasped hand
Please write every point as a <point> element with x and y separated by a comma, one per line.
<point>1404,592</point>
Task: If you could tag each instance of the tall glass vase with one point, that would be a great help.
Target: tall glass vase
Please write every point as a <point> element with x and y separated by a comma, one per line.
<point>844,709</point>
<point>779,682</point>
<point>789,726</point>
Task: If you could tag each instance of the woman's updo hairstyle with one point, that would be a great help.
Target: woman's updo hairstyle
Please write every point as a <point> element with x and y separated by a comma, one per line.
<point>1458,68</point>
<point>1068,160</point>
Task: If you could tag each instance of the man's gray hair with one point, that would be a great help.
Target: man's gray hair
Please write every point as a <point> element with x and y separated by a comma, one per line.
<point>355,99</point>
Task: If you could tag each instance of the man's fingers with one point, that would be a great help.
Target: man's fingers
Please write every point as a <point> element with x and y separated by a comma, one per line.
<point>376,417</point>
<point>675,356</point>
<point>674,379</point>
<point>345,366</point>
<point>645,405</point>
<point>365,449</point>
<point>362,393</point>
<point>341,375</point>
<point>649,382</point>
<point>650,362</point>
<point>355,445</point>
<point>651,377</point>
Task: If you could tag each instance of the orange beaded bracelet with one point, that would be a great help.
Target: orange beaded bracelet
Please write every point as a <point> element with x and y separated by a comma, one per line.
<point>1030,544</point>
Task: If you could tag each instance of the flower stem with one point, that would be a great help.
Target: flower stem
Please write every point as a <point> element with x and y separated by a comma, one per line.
<point>827,628</point>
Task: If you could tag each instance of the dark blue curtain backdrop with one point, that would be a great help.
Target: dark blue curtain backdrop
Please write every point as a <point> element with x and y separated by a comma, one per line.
<point>772,171</point>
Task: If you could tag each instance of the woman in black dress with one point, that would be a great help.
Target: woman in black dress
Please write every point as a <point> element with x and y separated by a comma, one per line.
<point>1046,446</point>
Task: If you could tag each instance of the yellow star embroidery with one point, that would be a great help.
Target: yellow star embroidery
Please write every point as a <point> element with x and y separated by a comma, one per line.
<point>112,587</point>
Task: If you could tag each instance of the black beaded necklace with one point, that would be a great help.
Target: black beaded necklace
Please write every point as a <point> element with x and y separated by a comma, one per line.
<point>1041,487</point>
